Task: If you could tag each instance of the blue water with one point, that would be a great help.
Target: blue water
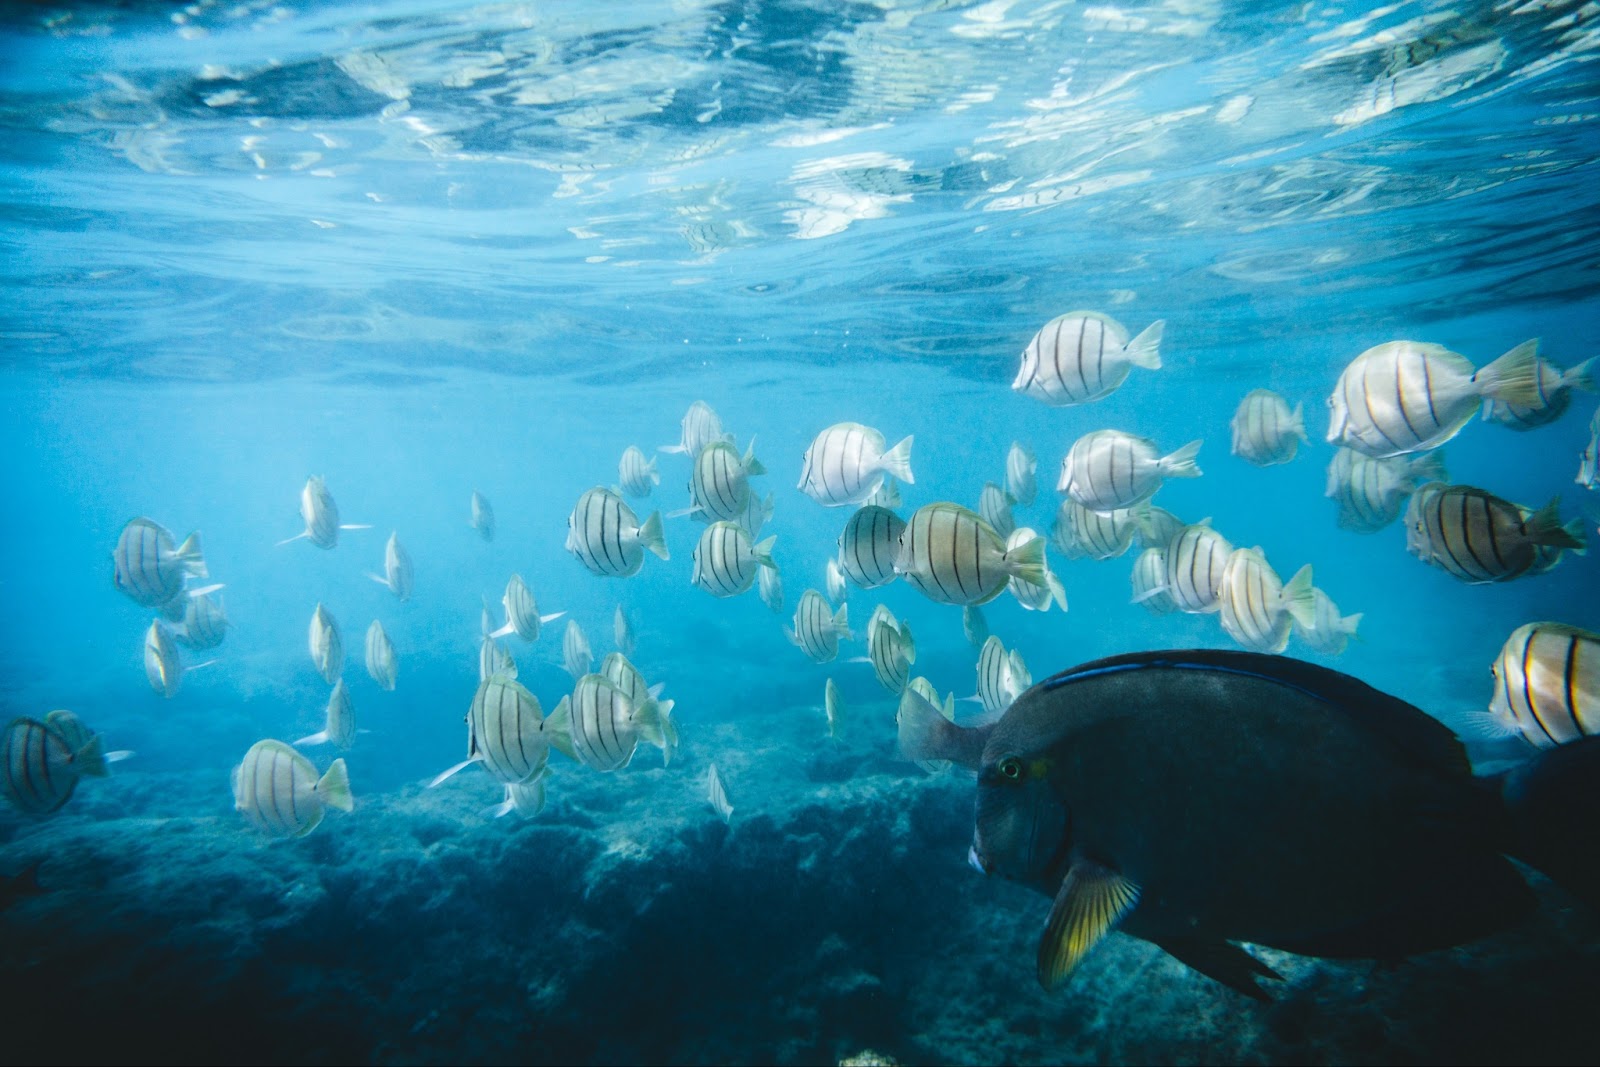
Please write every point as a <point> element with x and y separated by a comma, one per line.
<point>426,248</point>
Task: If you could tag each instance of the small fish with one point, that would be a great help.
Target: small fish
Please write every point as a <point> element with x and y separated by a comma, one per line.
<point>482,516</point>
<point>701,426</point>
<point>994,504</point>
<point>522,611</point>
<point>162,665</point>
<point>817,628</point>
<point>397,573</point>
<point>1589,463</point>
<point>719,484</point>
<point>868,546</point>
<point>1157,526</point>
<point>717,795</point>
<point>617,670</point>
<point>725,562</point>
<point>770,584</point>
<point>834,576</point>
<point>1478,537</point>
<point>205,623</point>
<point>1265,431</point>
<point>1195,559</point>
<point>1150,582</point>
<point>891,649</point>
<point>278,790</point>
<point>42,767</point>
<point>1002,676</point>
<point>1257,608</point>
<point>1547,684</point>
<point>887,495</point>
<point>757,515</point>
<point>1329,631</point>
<point>508,735</point>
<point>1372,493</point>
<point>846,464</point>
<point>493,660</point>
<point>606,724</point>
<point>339,721</point>
<point>622,631</point>
<point>636,474</point>
<point>575,653</point>
<point>974,625</point>
<point>1083,356</point>
<point>1554,396</point>
<point>149,568</point>
<point>382,663</point>
<point>952,556</point>
<point>1410,396</point>
<point>321,516</point>
<point>833,708</point>
<point>1035,596</point>
<point>1108,470</point>
<point>1021,469</point>
<point>1080,532</point>
<point>327,648</point>
<point>604,533</point>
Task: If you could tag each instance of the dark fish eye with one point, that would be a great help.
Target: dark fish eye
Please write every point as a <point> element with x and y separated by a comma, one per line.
<point>1011,768</point>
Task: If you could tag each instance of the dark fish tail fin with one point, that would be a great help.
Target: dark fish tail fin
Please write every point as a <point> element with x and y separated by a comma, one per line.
<point>925,734</point>
<point>1550,802</point>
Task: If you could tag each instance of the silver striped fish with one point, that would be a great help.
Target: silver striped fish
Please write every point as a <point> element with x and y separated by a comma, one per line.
<point>494,660</point>
<point>482,516</point>
<point>717,795</point>
<point>886,495</point>
<point>321,516</point>
<point>833,708</point>
<point>1372,493</point>
<point>868,546</point>
<point>382,663</point>
<point>770,584</point>
<point>725,562</point>
<point>575,653</point>
<point>278,790</point>
<point>327,647</point>
<point>1083,356</point>
<point>1021,469</point>
<point>1002,676</point>
<point>891,649</point>
<point>620,672</point>
<point>604,533</point>
<point>973,625</point>
<point>1108,470</point>
<point>1554,387</point>
<point>1157,526</point>
<point>1079,532</point>
<point>1410,396</point>
<point>622,632</point>
<point>952,556</point>
<point>205,623</point>
<point>398,575</point>
<point>636,474</point>
<point>1150,582</point>
<point>339,721</point>
<point>1195,559</point>
<point>701,426</point>
<point>149,568</point>
<point>719,483</point>
<point>1589,463</point>
<point>1329,631</point>
<point>1256,607</point>
<point>1479,537</point>
<point>507,732</point>
<point>994,504</point>
<point>846,464</point>
<point>522,611</point>
<point>833,578</point>
<point>43,764</point>
<point>1547,684</point>
<point>1265,431</point>
<point>606,725</point>
<point>817,628</point>
<point>1035,596</point>
<point>162,665</point>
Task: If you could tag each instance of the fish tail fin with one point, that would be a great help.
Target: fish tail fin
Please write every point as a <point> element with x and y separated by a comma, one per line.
<point>508,628</point>
<point>1348,624</point>
<point>552,617</point>
<point>925,734</point>
<point>763,552</point>
<point>651,536</point>
<point>380,579</point>
<point>189,556</point>
<point>650,469</point>
<point>1544,527</point>
<point>897,462</point>
<point>752,466</point>
<point>334,787</point>
<point>1058,592</point>
<point>450,773</point>
<point>647,717</point>
<point>1585,376</point>
<point>318,738</point>
<point>120,754</point>
<point>1145,350</point>
<point>91,758</point>
<point>355,526</point>
<point>1026,561</point>
<point>302,535</point>
<point>559,727</point>
<point>526,798</point>
<point>671,449</point>
<point>841,623</point>
<point>1300,599</point>
<point>1550,801</point>
<point>1425,469</point>
<point>1513,378</point>
<point>1297,422</point>
<point>1181,464</point>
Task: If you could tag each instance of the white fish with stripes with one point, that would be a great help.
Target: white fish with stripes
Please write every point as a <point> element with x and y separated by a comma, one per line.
<point>1372,493</point>
<point>1589,462</point>
<point>622,631</point>
<point>149,567</point>
<point>994,504</point>
<point>205,622</point>
<point>575,653</point>
<point>1329,631</point>
<point>637,475</point>
<point>1080,532</point>
<point>327,647</point>
<point>382,662</point>
<point>891,649</point>
<point>1265,431</point>
<point>1547,685</point>
<point>817,628</point>
<point>868,546</point>
<point>339,721</point>
<point>1035,596</point>
<point>1479,537</point>
<point>1002,676</point>
<point>43,761</point>
<point>280,792</point>
<point>605,534</point>
<point>847,463</point>
<point>606,724</point>
<point>833,579</point>
<point>717,795</point>
<point>398,575</point>
<point>522,611</point>
<point>1108,470</point>
<point>321,516</point>
<point>833,710</point>
<point>617,669</point>
<point>1195,559</point>
<point>162,665</point>
<point>508,735</point>
<point>719,482</point>
<point>1410,396</point>
<point>770,584</point>
<point>1022,474</point>
<point>1149,581</point>
<point>701,426</point>
<point>482,518</point>
<point>1256,607</point>
<point>492,658</point>
<point>725,562</point>
<point>1083,356</point>
<point>1554,387</point>
<point>952,556</point>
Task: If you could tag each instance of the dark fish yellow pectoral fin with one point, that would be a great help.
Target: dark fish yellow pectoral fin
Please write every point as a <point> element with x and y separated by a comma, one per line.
<point>1092,900</point>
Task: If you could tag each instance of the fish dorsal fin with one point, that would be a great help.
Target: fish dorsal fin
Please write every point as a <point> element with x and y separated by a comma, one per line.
<point>1092,900</point>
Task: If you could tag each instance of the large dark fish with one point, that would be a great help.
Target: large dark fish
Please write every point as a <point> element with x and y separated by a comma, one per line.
<point>1198,798</point>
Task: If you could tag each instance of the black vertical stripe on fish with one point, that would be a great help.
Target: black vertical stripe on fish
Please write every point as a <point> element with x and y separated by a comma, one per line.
<point>1400,401</point>
<point>1527,691</point>
<point>1570,677</point>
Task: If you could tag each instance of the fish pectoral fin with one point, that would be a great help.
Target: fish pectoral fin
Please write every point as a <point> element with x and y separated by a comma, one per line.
<point>1092,900</point>
<point>1222,961</point>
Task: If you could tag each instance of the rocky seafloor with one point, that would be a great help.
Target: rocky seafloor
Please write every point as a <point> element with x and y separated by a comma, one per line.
<point>628,924</point>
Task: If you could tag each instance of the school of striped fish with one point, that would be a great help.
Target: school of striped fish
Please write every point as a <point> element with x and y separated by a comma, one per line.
<point>1390,410</point>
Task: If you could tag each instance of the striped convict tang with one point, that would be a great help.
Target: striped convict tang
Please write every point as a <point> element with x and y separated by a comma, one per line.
<point>604,533</point>
<point>891,649</point>
<point>1150,582</point>
<point>869,544</point>
<point>522,611</point>
<point>1257,608</point>
<point>719,483</point>
<point>725,562</point>
<point>635,474</point>
<point>1478,537</point>
<point>817,628</point>
<point>846,464</point>
<point>382,663</point>
<point>1083,356</point>
<point>1035,596</point>
<point>994,504</point>
<point>339,721</point>
<point>1371,493</point>
<point>1079,532</point>
<point>1157,526</point>
<point>1554,388</point>
<point>952,556</point>
<point>327,647</point>
<point>770,584</point>
<point>493,660</point>
<point>149,568</point>
<point>279,791</point>
<point>1547,684</point>
<point>1195,559</point>
<point>606,725</point>
<point>1265,431</point>
<point>398,575</point>
<point>833,709</point>
<point>205,623</point>
<point>717,795</point>
<point>1107,470</point>
<point>1328,631</point>
<point>1410,396</point>
<point>620,672</point>
<point>701,426</point>
<point>320,515</point>
<point>833,578</point>
<point>507,731</point>
<point>1021,470</point>
<point>575,653</point>
<point>1002,676</point>
<point>162,665</point>
<point>482,516</point>
<point>42,764</point>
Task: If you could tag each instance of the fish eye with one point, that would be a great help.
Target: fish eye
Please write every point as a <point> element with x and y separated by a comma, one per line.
<point>1011,768</point>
